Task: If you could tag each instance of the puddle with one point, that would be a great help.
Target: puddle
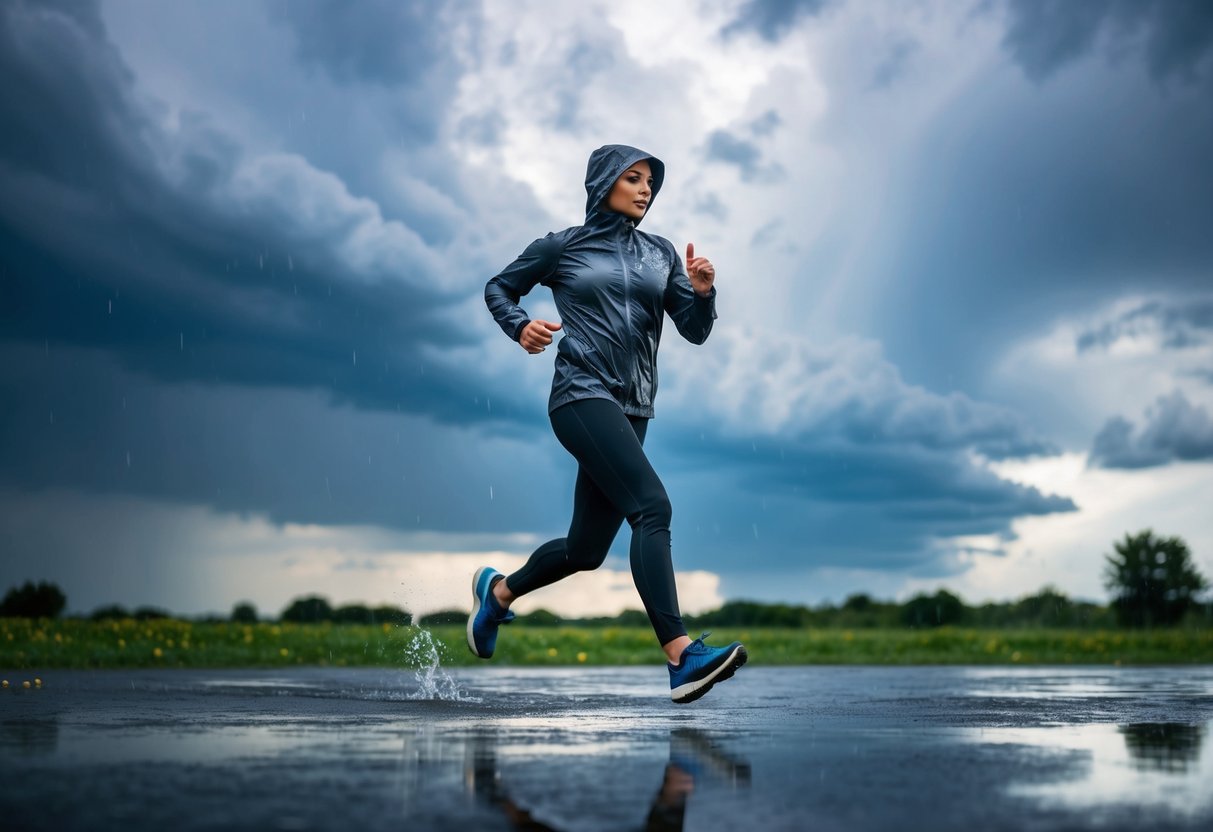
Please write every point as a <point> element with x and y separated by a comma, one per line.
<point>427,748</point>
<point>1150,766</point>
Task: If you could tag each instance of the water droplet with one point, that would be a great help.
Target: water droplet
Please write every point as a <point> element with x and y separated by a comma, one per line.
<point>424,653</point>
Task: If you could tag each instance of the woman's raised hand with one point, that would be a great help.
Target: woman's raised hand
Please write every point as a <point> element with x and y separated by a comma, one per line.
<point>537,335</point>
<point>700,270</point>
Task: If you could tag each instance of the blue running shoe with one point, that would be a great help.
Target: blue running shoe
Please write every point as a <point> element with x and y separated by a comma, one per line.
<point>486,613</point>
<point>700,667</point>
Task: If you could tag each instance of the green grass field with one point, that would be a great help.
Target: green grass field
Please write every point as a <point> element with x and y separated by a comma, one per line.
<point>35,645</point>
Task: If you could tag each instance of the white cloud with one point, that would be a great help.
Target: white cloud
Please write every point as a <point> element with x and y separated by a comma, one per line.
<point>1068,550</point>
<point>311,204</point>
<point>1076,390</point>
<point>769,384</point>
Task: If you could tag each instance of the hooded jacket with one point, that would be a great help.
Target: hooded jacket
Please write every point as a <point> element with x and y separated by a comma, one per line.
<point>613,285</point>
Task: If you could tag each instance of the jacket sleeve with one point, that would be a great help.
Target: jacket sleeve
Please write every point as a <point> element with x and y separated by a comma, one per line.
<point>692,313</point>
<point>502,293</point>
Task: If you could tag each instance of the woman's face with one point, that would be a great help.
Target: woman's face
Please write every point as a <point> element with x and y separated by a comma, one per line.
<point>632,191</point>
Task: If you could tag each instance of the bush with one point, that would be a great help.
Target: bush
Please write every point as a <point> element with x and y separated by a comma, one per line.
<point>311,609</point>
<point>541,618</point>
<point>353,614</point>
<point>443,618</point>
<point>388,614</point>
<point>110,612</point>
<point>936,610</point>
<point>41,600</point>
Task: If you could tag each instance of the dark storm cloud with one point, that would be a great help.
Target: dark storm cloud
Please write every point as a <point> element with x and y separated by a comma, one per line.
<point>188,261</point>
<point>390,42</point>
<point>77,419</point>
<point>1174,430</point>
<point>1175,325</point>
<point>829,457</point>
<point>1175,36</point>
<point>831,503</point>
<point>179,318</point>
<point>772,18</point>
<point>1025,203</point>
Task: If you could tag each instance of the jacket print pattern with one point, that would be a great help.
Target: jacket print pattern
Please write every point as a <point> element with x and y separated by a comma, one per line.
<point>612,284</point>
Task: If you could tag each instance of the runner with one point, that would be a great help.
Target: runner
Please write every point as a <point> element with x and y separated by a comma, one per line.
<point>612,284</point>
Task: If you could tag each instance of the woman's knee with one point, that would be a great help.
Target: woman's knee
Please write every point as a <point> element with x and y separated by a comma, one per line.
<point>586,558</point>
<point>655,513</point>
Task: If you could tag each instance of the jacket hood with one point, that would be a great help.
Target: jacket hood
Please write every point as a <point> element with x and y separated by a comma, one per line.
<point>607,164</point>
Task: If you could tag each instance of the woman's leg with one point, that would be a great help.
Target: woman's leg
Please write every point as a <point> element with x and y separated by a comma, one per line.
<point>594,526</point>
<point>608,447</point>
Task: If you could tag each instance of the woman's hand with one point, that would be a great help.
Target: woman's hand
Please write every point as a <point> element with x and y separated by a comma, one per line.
<point>537,335</point>
<point>701,272</point>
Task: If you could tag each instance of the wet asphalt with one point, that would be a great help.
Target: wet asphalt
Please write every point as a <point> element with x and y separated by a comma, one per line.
<point>604,749</point>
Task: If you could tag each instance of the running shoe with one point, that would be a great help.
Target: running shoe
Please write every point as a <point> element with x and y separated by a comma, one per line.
<point>700,667</point>
<point>486,613</point>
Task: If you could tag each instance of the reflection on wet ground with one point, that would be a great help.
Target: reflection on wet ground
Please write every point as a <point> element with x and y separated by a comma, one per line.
<point>573,749</point>
<point>696,760</point>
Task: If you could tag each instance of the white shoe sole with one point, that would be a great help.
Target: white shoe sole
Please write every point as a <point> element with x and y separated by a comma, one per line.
<point>475,611</point>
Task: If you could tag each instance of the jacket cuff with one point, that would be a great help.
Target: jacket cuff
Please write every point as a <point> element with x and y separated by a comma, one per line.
<point>522,325</point>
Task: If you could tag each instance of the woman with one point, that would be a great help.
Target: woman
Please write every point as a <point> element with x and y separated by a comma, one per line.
<point>612,285</point>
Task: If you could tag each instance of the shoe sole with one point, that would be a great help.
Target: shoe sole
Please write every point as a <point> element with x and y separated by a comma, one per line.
<point>475,612</point>
<point>694,690</point>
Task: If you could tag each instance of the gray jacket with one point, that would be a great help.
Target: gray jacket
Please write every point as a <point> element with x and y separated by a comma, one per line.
<point>612,284</point>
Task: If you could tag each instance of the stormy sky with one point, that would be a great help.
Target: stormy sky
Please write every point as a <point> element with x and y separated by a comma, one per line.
<point>965,276</point>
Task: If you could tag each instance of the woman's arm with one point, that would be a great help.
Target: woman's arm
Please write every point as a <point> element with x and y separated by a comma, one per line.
<point>502,293</point>
<point>691,311</point>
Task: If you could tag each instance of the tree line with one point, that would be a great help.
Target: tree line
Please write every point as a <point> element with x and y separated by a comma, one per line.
<point>1153,583</point>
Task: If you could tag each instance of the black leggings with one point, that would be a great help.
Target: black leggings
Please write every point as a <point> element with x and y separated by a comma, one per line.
<point>614,481</point>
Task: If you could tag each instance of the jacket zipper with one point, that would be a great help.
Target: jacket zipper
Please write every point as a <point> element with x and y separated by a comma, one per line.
<point>627,314</point>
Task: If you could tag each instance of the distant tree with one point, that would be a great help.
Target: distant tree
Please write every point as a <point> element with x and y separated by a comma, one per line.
<point>388,614</point>
<point>753,614</point>
<point>541,618</point>
<point>1048,608</point>
<point>1152,580</point>
<point>859,602</point>
<point>632,618</point>
<point>443,618</point>
<point>311,609</point>
<point>244,613</point>
<point>936,610</point>
<point>353,614</point>
<point>110,612</point>
<point>150,614</point>
<point>41,600</point>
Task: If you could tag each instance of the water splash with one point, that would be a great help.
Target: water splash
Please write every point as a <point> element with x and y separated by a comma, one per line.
<point>424,654</point>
